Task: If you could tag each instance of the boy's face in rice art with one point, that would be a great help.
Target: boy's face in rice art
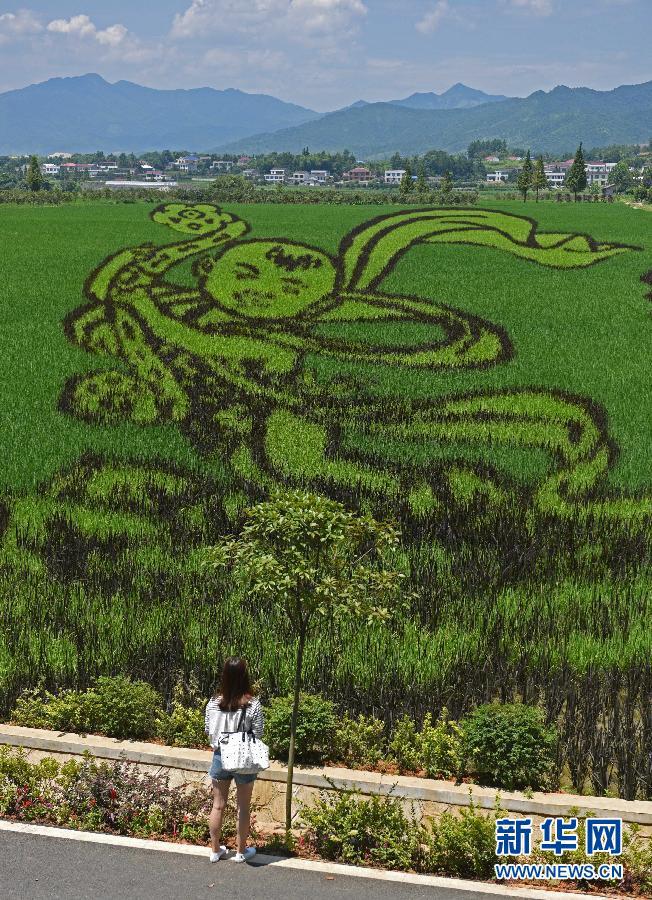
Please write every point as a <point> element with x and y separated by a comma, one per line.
<point>269,279</point>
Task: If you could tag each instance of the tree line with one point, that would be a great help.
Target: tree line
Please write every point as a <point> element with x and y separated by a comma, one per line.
<point>533,175</point>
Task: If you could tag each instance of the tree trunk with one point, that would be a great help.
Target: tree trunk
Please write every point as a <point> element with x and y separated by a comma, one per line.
<point>293,729</point>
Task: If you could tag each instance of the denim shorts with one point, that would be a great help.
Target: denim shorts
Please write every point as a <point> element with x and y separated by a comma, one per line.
<point>219,774</point>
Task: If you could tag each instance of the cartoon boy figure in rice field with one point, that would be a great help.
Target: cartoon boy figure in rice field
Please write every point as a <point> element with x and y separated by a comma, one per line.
<point>274,358</point>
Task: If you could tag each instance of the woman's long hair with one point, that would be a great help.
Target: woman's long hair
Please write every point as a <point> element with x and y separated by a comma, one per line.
<point>235,686</point>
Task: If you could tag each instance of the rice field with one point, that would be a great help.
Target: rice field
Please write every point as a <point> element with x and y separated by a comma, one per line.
<point>479,375</point>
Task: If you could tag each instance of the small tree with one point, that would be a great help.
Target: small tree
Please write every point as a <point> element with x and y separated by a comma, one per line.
<point>407,185</point>
<point>421,184</point>
<point>232,188</point>
<point>310,559</point>
<point>621,177</point>
<point>34,178</point>
<point>525,177</point>
<point>575,180</point>
<point>446,184</point>
<point>539,180</point>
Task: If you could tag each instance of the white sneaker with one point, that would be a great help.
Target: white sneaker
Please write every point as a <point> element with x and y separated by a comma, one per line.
<point>219,855</point>
<point>243,857</point>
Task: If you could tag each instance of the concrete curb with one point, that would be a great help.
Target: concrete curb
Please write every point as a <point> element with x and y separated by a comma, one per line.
<point>444,793</point>
<point>305,865</point>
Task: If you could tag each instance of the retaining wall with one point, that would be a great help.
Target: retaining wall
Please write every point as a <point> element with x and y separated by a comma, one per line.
<point>427,797</point>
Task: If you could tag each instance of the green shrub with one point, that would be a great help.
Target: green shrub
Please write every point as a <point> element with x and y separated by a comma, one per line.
<point>76,711</point>
<point>31,709</point>
<point>369,831</point>
<point>126,708</point>
<point>462,845</point>
<point>508,745</point>
<point>115,706</point>
<point>315,728</point>
<point>403,746</point>
<point>183,726</point>
<point>359,742</point>
<point>435,750</point>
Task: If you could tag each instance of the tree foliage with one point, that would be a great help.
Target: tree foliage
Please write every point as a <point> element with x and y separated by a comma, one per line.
<point>312,560</point>
<point>34,178</point>
<point>539,180</point>
<point>446,185</point>
<point>493,147</point>
<point>421,183</point>
<point>525,177</point>
<point>407,185</point>
<point>620,177</point>
<point>576,180</point>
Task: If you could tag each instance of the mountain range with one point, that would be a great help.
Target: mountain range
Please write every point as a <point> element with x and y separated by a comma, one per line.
<point>87,113</point>
<point>554,121</point>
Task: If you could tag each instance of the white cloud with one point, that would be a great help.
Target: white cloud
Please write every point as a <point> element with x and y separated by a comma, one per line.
<point>292,18</point>
<point>326,15</point>
<point>112,36</point>
<point>82,26</point>
<point>433,18</point>
<point>18,25</point>
<point>538,7</point>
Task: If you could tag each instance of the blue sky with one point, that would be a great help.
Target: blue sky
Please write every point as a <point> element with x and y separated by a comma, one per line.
<point>327,53</point>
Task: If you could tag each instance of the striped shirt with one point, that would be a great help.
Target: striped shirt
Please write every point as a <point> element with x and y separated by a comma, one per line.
<point>217,722</point>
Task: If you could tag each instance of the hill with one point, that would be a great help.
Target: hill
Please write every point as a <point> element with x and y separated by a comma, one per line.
<point>553,121</point>
<point>86,113</point>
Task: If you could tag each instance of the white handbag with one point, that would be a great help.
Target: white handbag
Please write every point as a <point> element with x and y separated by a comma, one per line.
<point>242,751</point>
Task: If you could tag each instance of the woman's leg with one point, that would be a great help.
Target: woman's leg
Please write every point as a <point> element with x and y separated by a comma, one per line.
<point>220,797</point>
<point>243,793</point>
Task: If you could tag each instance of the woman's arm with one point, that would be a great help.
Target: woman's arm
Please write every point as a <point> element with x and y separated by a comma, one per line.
<point>257,719</point>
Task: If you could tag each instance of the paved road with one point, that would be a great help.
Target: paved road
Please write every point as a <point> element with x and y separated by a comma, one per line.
<point>33,867</point>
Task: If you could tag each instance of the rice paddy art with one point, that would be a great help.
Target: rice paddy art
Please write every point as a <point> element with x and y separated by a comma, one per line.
<point>234,362</point>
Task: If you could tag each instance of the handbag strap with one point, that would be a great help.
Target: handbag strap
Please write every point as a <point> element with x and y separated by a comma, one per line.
<point>242,717</point>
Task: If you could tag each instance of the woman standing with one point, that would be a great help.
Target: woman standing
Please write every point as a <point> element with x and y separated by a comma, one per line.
<point>224,713</point>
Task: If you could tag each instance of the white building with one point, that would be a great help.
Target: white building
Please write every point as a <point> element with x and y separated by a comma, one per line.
<point>500,175</point>
<point>394,176</point>
<point>50,169</point>
<point>598,172</point>
<point>187,163</point>
<point>555,177</point>
<point>275,176</point>
<point>222,165</point>
<point>319,176</point>
<point>134,185</point>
